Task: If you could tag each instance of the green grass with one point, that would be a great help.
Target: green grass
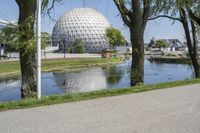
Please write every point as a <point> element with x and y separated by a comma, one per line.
<point>65,98</point>
<point>61,65</point>
<point>13,68</point>
<point>9,67</point>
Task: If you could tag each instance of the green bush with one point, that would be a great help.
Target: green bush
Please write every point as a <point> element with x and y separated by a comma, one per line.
<point>69,50</point>
<point>78,46</point>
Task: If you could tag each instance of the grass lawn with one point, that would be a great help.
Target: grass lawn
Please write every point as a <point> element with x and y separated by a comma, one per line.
<point>13,67</point>
<point>9,67</point>
<point>65,98</point>
<point>64,64</point>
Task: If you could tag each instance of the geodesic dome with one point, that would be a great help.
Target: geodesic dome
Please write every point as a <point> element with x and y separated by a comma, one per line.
<point>84,23</point>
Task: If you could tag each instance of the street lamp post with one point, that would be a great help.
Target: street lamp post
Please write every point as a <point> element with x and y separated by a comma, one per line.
<point>38,37</point>
<point>64,48</point>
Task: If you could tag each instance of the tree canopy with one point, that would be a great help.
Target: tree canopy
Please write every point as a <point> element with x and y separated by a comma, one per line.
<point>9,36</point>
<point>78,46</point>
<point>160,44</point>
<point>115,37</point>
<point>187,13</point>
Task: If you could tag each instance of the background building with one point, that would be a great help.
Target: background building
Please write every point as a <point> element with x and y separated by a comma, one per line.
<point>171,45</point>
<point>81,23</point>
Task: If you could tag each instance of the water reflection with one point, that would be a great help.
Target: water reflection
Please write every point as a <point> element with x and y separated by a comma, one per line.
<point>81,81</point>
<point>98,78</point>
<point>10,89</point>
<point>113,74</point>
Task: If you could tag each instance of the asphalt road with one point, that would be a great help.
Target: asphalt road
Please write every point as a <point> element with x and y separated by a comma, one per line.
<point>174,110</point>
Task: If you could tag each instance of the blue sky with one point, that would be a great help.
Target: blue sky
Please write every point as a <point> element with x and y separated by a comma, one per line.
<point>160,29</point>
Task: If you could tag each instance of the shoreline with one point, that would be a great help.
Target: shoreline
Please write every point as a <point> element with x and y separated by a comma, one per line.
<point>169,59</point>
<point>50,65</point>
<point>75,97</point>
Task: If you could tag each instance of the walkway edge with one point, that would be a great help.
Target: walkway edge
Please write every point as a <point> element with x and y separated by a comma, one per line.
<point>66,98</point>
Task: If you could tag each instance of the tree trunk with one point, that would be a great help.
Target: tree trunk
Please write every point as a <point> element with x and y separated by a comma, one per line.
<point>137,67</point>
<point>192,47</point>
<point>27,9</point>
<point>135,16</point>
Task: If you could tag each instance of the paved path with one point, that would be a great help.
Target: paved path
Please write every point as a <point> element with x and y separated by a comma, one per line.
<point>55,56</point>
<point>61,56</point>
<point>175,110</point>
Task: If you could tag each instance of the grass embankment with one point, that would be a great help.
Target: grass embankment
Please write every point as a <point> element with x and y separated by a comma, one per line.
<point>171,59</point>
<point>11,68</point>
<point>50,100</point>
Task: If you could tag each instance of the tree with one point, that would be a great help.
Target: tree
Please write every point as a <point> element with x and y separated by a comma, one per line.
<point>78,46</point>
<point>188,11</point>
<point>135,14</point>
<point>198,34</point>
<point>27,10</point>
<point>160,44</point>
<point>193,8</point>
<point>8,37</point>
<point>27,13</point>
<point>45,39</point>
<point>190,21</point>
<point>115,37</point>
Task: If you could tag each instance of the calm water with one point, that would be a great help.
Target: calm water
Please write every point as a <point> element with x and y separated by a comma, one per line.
<point>97,79</point>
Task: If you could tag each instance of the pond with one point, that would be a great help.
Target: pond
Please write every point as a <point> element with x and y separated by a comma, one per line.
<point>98,78</point>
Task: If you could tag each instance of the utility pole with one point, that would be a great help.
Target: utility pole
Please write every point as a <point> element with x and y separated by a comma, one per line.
<point>38,39</point>
<point>64,48</point>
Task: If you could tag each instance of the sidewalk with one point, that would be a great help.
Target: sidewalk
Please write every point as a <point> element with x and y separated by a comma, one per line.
<point>174,110</point>
<point>60,56</point>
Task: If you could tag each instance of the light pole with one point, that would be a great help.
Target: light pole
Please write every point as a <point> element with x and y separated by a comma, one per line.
<point>64,48</point>
<point>38,39</point>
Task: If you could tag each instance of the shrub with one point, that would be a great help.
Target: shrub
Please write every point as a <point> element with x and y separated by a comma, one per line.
<point>78,46</point>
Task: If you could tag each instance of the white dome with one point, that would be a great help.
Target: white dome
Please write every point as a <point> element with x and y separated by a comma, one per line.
<point>84,23</point>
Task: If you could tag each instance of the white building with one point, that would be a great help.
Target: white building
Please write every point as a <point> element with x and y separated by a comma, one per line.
<point>124,49</point>
<point>81,23</point>
<point>172,45</point>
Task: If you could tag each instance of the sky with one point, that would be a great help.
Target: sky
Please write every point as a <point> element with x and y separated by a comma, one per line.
<point>160,29</point>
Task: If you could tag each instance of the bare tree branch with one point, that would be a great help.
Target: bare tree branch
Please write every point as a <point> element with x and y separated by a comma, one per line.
<point>136,7</point>
<point>50,8</point>
<point>194,37</point>
<point>146,12</point>
<point>164,16</point>
<point>194,17</point>
<point>125,13</point>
